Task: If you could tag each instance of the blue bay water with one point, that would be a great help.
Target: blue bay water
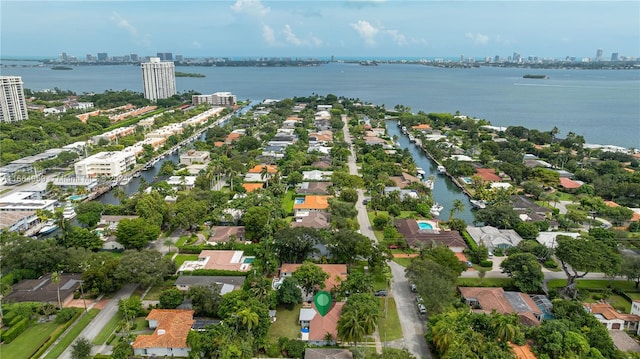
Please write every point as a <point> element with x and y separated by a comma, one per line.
<point>601,105</point>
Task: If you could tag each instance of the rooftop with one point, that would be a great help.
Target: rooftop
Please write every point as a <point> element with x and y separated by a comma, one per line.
<point>172,330</point>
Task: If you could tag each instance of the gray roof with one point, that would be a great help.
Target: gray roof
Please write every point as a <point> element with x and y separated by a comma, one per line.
<point>205,280</point>
<point>306,314</point>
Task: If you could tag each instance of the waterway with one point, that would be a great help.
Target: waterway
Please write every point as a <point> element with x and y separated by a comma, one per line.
<point>445,191</point>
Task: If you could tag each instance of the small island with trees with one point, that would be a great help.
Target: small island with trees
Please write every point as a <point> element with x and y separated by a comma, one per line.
<point>530,76</point>
<point>61,68</point>
<point>188,74</point>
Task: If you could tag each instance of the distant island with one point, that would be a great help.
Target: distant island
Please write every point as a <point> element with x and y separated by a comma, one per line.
<point>61,68</point>
<point>529,76</point>
<point>188,74</point>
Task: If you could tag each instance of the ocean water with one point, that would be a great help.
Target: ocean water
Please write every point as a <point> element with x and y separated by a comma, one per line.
<point>601,105</point>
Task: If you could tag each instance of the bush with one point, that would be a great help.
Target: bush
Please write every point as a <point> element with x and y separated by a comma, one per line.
<point>486,264</point>
<point>8,317</point>
<point>65,315</point>
<point>550,263</point>
<point>498,252</point>
<point>15,320</point>
<point>473,246</point>
<point>15,331</point>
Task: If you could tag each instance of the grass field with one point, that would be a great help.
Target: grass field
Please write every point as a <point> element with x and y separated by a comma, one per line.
<point>28,342</point>
<point>403,261</point>
<point>106,331</point>
<point>626,286</point>
<point>389,326</point>
<point>72,334</point>
<point>286,324</point>
<point>181,258</point>
<point>485,282</point>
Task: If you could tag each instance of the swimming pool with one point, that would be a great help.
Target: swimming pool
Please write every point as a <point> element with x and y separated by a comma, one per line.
<point>249,260</point>
<point>467,180</point>
<point>76,197</point>
<point>424,225</point>
<point>299,200</point>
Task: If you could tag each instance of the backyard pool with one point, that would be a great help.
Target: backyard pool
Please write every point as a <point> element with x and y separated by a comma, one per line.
<point>299,200</point>
<point>76,197</point>
<point>249,260</point>
<point>425,225</point>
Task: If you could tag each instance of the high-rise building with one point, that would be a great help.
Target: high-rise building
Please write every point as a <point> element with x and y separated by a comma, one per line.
<point>102,56</point>
<point>13,106</point>
<point>615,56</point>
<point>134,57</point>
<point>158,79</point>
<point>599,55</point>
<point>165,56</point>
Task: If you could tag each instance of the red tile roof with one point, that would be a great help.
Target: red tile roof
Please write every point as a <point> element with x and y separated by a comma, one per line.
<point>488,174</point>
<point>313,202</point>
<point>258,168</point>
<point>569,184</point>
<point>320,326</point>
<point>173,327</point>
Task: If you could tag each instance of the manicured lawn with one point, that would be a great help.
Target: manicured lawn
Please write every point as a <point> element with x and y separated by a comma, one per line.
<point>181,258</point>
<point>28,342</point>
<point>389,326</point>
<point>287,201</point>
<point>626,286</point>
<point>403,261</point>
<point>286,324</point>
<point>484,282</point>
<point>154,292</point>
<point>141,323</point>
<point>634,296</point>
<point>106,331</point>
<point>72,334</point>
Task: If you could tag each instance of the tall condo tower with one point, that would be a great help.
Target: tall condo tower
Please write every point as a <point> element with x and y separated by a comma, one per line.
<point>158,79</point>
<point>13,106</point>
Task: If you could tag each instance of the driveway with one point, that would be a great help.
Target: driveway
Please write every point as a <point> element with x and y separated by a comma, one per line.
<point>96,325</point>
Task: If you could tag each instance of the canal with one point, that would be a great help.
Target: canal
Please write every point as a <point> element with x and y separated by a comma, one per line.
<point>445,191</point>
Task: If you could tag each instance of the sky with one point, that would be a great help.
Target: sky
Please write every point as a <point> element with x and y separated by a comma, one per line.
<point>320,29</point>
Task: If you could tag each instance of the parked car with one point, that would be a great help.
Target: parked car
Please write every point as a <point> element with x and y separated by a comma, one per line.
<point>469,264</point>
<point>414,288</point>
<point>419,299</point>
<point>422,309</point>
<point>380,293</point>
<point>393,246</point>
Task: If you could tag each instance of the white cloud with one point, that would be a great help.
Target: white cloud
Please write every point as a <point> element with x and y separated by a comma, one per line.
<point>290,36</point>
<point>269,35</point>
<point>121,22</point>
<point>478,39</point>
<point>397,37</point>
<point>196,44</point>
<point>367,31</point>
<point>250,7</point>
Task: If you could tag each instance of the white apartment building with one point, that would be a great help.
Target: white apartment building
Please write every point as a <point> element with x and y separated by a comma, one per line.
<point>108,164</point>
<point>24,201</point>
<point>13,106</point>
<point>158,79</point>
<point>216,99</point>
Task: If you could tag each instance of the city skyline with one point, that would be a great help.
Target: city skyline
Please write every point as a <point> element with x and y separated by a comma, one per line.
<point>378,28</point>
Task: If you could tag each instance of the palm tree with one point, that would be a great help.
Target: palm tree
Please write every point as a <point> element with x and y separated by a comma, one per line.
<point>264,174</point>
<point>248,318</point>
<point>458,206</point>
<point>168,242</point>
<point>350,328</point>
<point>506,327</point>
<point>119,193</point>
<point>55,278</point>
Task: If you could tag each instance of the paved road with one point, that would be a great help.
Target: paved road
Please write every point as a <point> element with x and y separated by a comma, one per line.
<point>412,324</point>
<point>109,310</point>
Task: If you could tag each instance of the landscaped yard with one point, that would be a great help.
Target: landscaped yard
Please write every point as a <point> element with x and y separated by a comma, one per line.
<point>28,342</point>
<point>615,300</point>
<point>72,334</point>
<point>389,326</point>
<point>286,324</point>
<point>484,282</point>
<point>181,258</point>
<point>626,286</point>
<point>403,261</point>
<point>154,292</point>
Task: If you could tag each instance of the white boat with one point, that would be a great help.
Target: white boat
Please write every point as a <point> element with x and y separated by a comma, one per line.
<point>442,170</point>
<point>125,181</point>
<point>49,227</point>
<point>436,209</point>
<point>411,138</point>
<point>69,212</point>
<point>420,171</point>
<point>478,204</point>
<point>137,174</point>
<point>430,182</point>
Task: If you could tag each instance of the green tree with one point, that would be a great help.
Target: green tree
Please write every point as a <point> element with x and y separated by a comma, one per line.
<point>81,237</point>
<point>189,212</point>
<point>205,299</point>
<point>136,233</point>
<point>88,213</point>
<point>171,298</point>
<point>585,255</point>
<point>55,278</point>
<point>122,350</point>
<point>295,245</point>
<point>525,270</point>
<point>130,308</point>
<point>359,317</point>
<point>81,349</point>
<point>256,221</point>
<point>435,283</point>
<point>631,268</point>
<point>310,277</point>
<point>457,206</point>
<point>248,318</point>
<point>144,267</point>
<point>289,293</point>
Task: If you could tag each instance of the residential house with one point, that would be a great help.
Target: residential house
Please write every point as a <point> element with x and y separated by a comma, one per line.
<point>314,188</point>
<point>611,318</point>
<point>415,236</point>
<point>404,180</point>
<point>404,193</point>
<point>315,327</point>
<point>318,220</point>
<point>302,206</point>
<point>250,187</point>
<point>423,127</point>
<point>337,274</point>
<point>316,175</point>
<point>493,237</point>
<point>549,239</point>
<point>569,184</point>
<point>182,182</point>
<point>171,328</point>
<point>487,300</point>
<point>221,260</point>
<point>528,209</point>
<point>223,234</point>
<point>488,175</point>
<point>227,283</point>
<point>44,290</point>
<point>195,157</point>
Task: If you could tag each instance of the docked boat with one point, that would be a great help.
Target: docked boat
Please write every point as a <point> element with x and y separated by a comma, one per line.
<point>420,172</point>
<point>436,209</point>
<point>478,204</point>
<point>50,226</point>
<point>68,212</point>
<point>412,139</point>
<point>430,182</point>
<point>125,181</point>
<point>137,174</point>
<point>442,170</point>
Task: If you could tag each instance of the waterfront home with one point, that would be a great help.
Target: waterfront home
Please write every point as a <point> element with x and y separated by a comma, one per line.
<point>195,157</point>
<point>404,180</point>
<point>171,328</point>
<point>403,193</point>
<point>429,235</point>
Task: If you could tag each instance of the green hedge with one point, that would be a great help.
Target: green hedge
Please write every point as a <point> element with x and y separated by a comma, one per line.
<point>8,317</point>
<point>15,320</point>
<point>15,330</point>
<point>249,249</point>
<point>216,272</point>
<point>470,242</point>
